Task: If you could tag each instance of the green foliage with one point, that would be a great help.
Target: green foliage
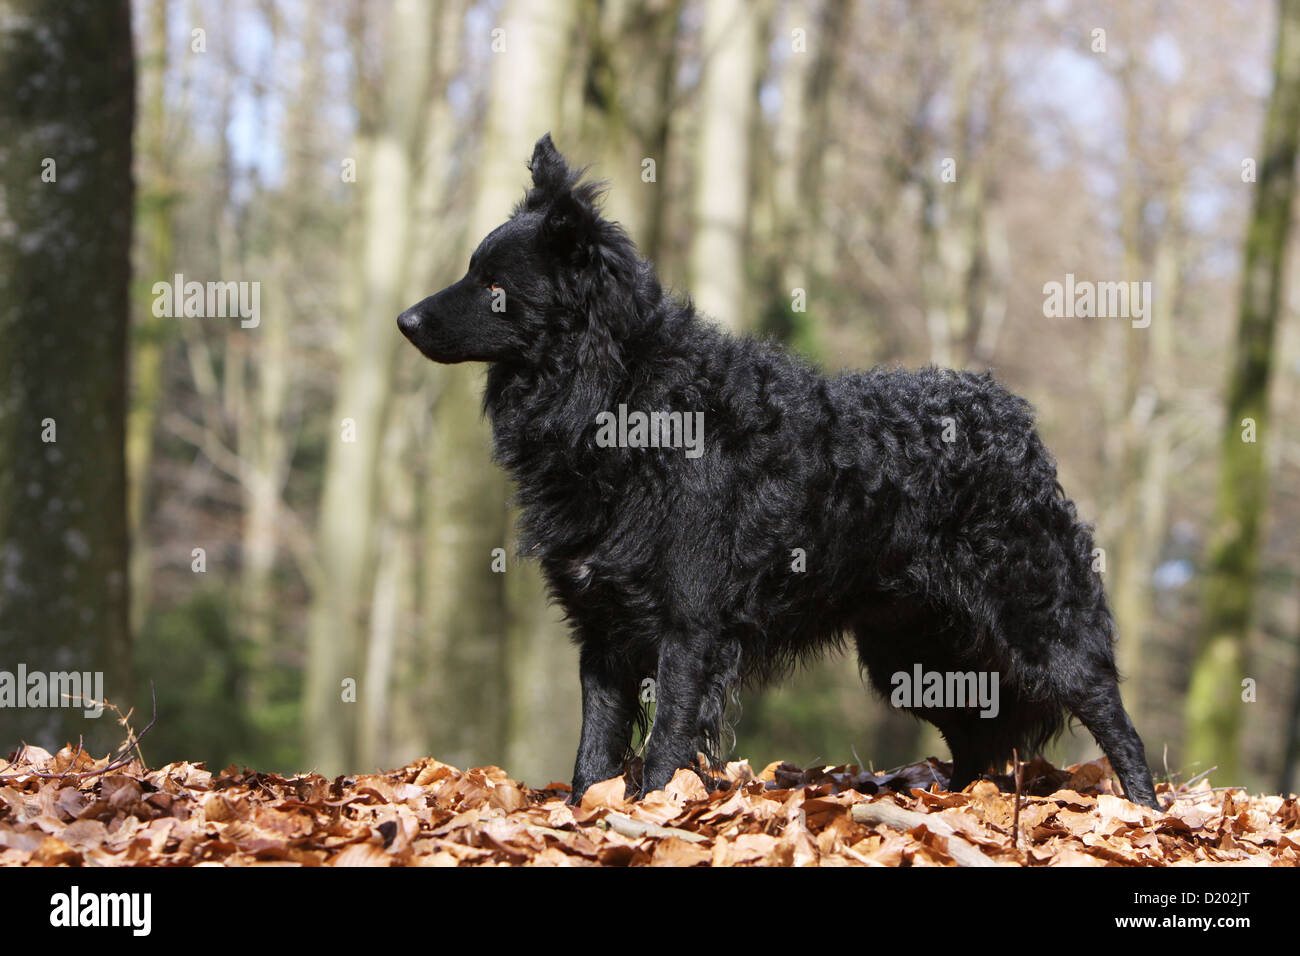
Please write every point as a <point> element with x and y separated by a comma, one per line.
<point>818,715</point>
<point>777,319</point>
<point>199,667</point>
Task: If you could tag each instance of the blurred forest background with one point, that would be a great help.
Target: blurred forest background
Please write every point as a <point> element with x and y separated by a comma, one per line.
<point>247,517</point>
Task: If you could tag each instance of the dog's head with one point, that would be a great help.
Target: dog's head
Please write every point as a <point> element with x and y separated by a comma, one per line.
<point>555,270</point>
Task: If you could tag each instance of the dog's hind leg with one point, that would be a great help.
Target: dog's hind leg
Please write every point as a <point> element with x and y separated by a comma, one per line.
<point>1102,712</point>
<point>971,754</point>
<point>894,637</point>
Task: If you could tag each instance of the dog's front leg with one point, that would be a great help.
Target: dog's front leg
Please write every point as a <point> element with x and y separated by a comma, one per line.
<point>682,689</point>
<point>609,706</point>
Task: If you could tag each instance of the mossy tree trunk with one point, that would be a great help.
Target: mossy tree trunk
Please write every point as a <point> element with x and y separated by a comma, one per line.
<point>812,48</point>
<point>627,100</point>
<point>156,198</point>
<point>67,102</point>
<point>1214,702</point>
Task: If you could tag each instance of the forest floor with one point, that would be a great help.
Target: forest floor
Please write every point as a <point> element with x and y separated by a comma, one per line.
<point>70,809</point>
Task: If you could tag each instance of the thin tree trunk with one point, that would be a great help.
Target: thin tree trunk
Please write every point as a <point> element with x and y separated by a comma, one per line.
<point>1155,475</point>
<point>1129,419</point>
<point>1291,747</point>
<point>263,435</point>
<point>402,675</point>
<point>392,604</point>
<point>155,202</point>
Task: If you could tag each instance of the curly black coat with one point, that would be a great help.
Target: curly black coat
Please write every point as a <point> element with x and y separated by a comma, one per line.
<point>916,511</point>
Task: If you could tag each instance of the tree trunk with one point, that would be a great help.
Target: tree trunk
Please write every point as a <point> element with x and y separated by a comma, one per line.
<point>493,640</point>
<point>148,332</point>
<point>1214,704</point>
<point>732,48</point>
<point>391,137</point>
<point>1291,747</point>
<point>1128,421</point>
<point>401,673</point>
<point>67,90</point>
<point>798,183</point>
<point>628,105</point>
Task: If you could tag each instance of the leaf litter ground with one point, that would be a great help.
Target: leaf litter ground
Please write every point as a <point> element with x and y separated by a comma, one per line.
<point>68,809</point>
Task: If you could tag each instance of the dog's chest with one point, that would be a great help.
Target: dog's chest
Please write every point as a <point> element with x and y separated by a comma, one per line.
<point>580,572</point>
<point>590,585</point>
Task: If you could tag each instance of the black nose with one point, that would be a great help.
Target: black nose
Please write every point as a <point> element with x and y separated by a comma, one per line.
<point>408,322</point>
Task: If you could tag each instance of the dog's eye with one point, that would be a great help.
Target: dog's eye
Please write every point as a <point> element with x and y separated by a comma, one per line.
<point>491,286</point>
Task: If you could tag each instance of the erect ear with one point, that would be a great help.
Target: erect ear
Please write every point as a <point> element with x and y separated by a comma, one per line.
<point>550,172</point>
<point>571,226</point>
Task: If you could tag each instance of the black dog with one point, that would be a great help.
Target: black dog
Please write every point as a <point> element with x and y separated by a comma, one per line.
<point>918,511</point>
